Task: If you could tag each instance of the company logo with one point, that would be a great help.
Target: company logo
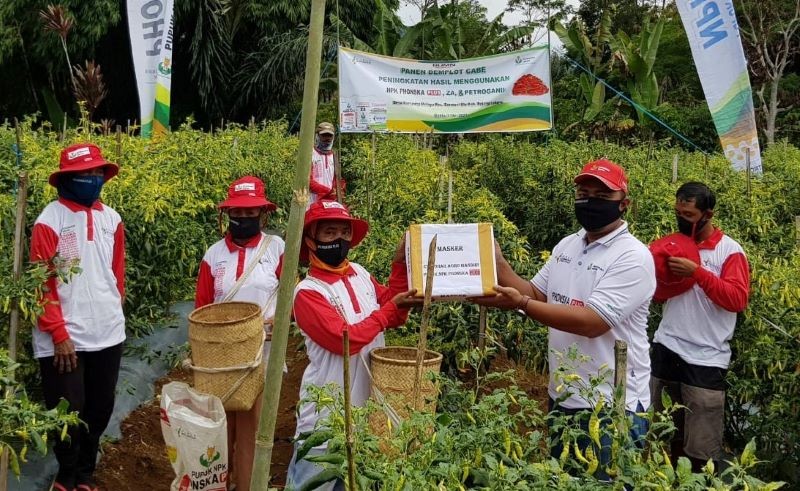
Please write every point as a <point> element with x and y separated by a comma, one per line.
<point>443,65</point>
<point>361,59</point>
<point>594,267</point>
<point>78,152</point>
<point>474,272</point>
<point>332,204</point>
<point>208,458</point>
<point>521,60</point>
<point>245,186</point>
<point>563,258</point>
<point>165,67</point>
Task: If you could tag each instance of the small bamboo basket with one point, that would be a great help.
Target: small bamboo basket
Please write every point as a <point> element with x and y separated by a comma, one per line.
<point>394,371</point>
<point>227,342</point>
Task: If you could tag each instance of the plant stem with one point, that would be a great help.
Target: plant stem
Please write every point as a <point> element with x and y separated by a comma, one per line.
<point>348,413</point>
<point>262,458</point>
<point>69,67</point>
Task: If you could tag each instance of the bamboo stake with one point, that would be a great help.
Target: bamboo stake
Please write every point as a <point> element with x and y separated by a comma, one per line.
<point>797,229</point>
<point>675,169</point>
<point>422,346</point>
<point>747,161</point>
<point>271,395</point>
<point>620,381</point>
<point>450,198</point>
<point>119,144</point>
<point>482,328</point>
<point>19,236</point>
<point>348,412</point>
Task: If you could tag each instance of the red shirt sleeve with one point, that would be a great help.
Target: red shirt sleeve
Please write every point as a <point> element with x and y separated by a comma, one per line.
<point>320,321</point>
<point>204,294</point>
<point>398,283</point>
<point>732,288</point>
<point>318,188</point>
<point>118,261</point>
<point>44,246</point>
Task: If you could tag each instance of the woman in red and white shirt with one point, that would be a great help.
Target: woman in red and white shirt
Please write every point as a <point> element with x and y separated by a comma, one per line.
<point>79,338</point>
<point>222,267</point>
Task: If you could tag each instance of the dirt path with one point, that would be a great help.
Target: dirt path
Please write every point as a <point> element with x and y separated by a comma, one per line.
<point>138,460</point>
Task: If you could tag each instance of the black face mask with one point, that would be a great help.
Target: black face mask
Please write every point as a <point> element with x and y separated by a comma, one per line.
<point>332,253</point>
<point>595,213</point>
<point>244,227</point>
<point>691,228</point>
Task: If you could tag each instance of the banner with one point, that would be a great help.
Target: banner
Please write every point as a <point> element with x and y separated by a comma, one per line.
<point>717,50</point>
<point>164,76</point>
<point>147,23</point>
<point>508,92</point>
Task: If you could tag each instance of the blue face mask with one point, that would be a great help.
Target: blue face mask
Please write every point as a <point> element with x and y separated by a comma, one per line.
<point>81,189</point>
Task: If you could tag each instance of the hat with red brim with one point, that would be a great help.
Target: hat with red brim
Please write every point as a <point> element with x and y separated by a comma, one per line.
<point>80,158</point>
<point>668,284</point>
<point>332,210</point>
<point>247,192</point>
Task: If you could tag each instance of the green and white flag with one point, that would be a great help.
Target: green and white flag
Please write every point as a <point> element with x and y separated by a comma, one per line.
<point>150,25</point>
<point>717,50</point>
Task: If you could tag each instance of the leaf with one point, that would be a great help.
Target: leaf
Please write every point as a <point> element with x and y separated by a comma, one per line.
<point>323,477</point>
<point>38,443</point>
<point>748,457</point>
<point>598,98</point>
<point>409,39</point>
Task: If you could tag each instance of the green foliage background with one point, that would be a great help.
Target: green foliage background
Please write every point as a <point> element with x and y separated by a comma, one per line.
<point>167,190</point>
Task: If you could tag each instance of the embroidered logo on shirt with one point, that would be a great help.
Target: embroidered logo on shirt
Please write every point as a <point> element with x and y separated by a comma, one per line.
<point>563,258</point>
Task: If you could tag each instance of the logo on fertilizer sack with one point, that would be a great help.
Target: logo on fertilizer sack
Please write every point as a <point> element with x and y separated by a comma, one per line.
<point>165,67</point>
<point>208,458</point>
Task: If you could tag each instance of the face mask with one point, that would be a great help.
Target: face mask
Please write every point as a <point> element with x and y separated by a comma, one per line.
<point>81,189</point>
<point>324,147</point>
<point>244,227</point>
<point>332,253</point>
<point>595,213</point>
<point>691,228</point>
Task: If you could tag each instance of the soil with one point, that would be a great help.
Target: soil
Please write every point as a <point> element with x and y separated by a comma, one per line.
<point>138,460</point>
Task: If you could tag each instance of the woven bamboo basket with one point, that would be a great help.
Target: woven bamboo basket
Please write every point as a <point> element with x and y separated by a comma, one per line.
<point>224,335</point>
<point>394,371</point>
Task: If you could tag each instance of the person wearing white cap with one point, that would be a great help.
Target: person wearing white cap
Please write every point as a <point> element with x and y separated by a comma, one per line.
<point>323,181</point>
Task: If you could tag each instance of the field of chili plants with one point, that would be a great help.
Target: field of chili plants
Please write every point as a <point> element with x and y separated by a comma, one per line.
<point>167,189</point>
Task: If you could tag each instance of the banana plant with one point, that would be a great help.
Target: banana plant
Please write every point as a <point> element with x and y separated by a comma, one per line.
<point>591,54</point>
<point>637,57</point>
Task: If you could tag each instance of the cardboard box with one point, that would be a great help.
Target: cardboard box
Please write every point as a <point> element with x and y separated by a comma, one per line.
<point>464,265</point>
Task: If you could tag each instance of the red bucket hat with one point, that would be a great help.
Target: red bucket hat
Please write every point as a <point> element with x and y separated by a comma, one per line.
<point>669,285</point>
<point>332,210</point>
<point>609,173</point>
<point>247,192</point>
<point>82,157</point>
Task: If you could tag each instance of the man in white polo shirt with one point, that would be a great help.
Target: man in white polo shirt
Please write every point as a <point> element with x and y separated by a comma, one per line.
<point>691,348</point>
<point>595,289</point>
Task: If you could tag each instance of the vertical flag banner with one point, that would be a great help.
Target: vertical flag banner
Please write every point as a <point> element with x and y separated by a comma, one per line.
<point>164,76</point>
<point>147,23</point>
<point>717,51</point>
<point>500,93</point>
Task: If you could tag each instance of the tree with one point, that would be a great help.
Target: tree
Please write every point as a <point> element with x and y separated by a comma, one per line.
<point>540,14</point>
<point>771,31</point>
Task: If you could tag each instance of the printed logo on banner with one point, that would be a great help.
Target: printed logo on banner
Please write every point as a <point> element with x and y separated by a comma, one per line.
<point>361,59</point>
<point>475,272</point>
<point>165,67</point>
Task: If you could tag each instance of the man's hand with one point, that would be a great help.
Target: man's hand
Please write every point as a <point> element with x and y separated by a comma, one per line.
<point>400,252</point>
<point>507,298</point>
<point>406,300</point>
<point>65,358</point>
<point>681,266</point>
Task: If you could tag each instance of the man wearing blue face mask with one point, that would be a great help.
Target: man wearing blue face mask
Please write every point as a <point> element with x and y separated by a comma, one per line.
<point>594,290</point>
<point>323,165</point>
<point>79,338</point>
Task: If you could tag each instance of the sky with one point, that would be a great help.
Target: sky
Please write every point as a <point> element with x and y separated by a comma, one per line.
<point>409,14</point>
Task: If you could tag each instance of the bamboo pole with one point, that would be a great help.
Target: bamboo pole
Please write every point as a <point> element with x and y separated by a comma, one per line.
<point>259,481</point>
<point>119,144</point>
<point>675,168</point>
<point>422,346</point>
<point>13,327</point>
<point>620,381</point>
<point>348,413</point>
<point>747,162</point>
